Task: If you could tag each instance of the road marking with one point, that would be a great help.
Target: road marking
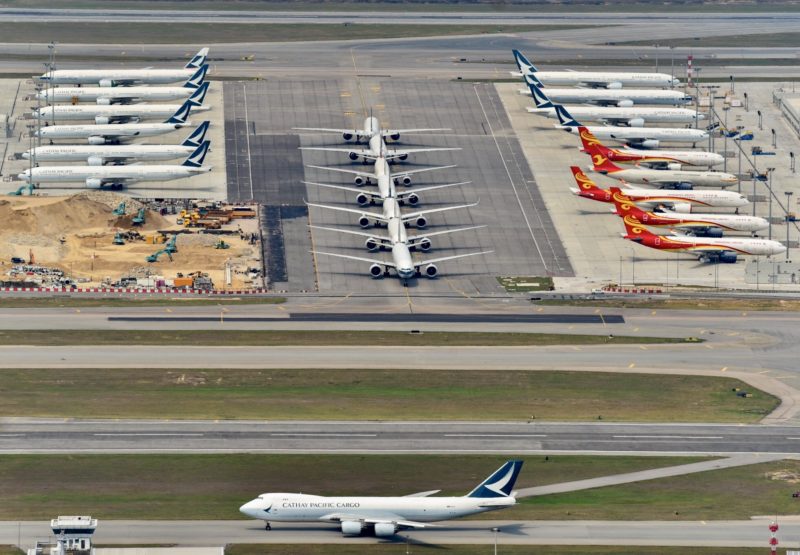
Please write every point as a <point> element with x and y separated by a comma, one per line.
<point>668,437</point>
<point>147,434</point>
<point>495,435</point>
<point>247,136</point>
<point>321,435</point>
<point>795,438</point>
<point>631,365</point>
<point>723,369</point>
<point>12,435</point>
<point>642,347</point>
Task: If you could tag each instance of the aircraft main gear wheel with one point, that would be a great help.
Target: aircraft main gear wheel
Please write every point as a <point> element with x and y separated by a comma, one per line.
<point>268,527</point>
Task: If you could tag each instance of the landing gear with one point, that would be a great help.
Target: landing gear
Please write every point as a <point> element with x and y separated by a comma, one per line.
<point>268,527</point>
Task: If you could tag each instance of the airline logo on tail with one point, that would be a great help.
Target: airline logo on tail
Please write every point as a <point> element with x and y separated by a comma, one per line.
<point>198,60</point>
<point>524,65</point>
<point>539,98</point>
<point>195,159</point>
<point>197,136</point>
<point>582,179</point>
<point>197,79</point>
<point>589,140</point>
<point>499,484</point>
<point>564,117</point>
<point>634,227</point>
<point>182,114</point>
<point>199,95</point>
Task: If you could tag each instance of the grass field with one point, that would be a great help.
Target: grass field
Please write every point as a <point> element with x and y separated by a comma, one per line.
<point>413,395</point>
<point>151,487</point>
<point>785,40</point>
<point>10,550</point>
<point>210,33</point>
<point>399,548</point>
<point>311,338</point>
<point>131,302</point>
<point>778,305</point>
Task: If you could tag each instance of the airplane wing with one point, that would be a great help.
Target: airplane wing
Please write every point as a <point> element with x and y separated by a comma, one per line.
<point>455,256</point>
<point>358,259</point>
<point>350,210</point>
<point>412,172</point>
<point>390,132</point>
<point>423,493</point>
<point>395,153</point>
<point>445,232</point>
<point>412,215</point>
<point>351,172</point>
<point>360,152</point>
<point>353,132</point>
<point>423,189</point>
<point>341,188</point>
<point>352,232</point>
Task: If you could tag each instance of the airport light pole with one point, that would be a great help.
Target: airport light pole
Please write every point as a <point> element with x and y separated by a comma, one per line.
<point>774,139</point>
<point>791,162</point>
<point>495,530</point>
<point>769,187</point>
<point>788,221</point>
<point>760,120</point>
<point>725,109</point>
<point>738,142</point>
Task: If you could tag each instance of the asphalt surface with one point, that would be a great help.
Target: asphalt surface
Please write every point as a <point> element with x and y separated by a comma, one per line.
<point>122,436</point>
<point>405,318</point>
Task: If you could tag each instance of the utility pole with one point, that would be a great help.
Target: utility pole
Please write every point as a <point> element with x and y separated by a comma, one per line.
<point>725,109</point>
<point>738,142</point>
<point>769,186</point>
<point>788,221</point>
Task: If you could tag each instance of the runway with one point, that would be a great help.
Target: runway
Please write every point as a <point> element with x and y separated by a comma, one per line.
<point>746,533</point>
<point>146,436</point>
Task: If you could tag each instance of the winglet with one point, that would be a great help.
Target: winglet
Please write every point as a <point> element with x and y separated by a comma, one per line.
<point>500,483</point>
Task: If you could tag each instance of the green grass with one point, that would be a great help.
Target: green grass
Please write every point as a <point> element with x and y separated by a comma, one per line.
<point>746,305</point>
<point>399,548</point>
<point>526,284</point>
<point>787,40</point>
<point>311,338</point>
<point>210,33</point>
<point>153,487</point>
<point>10,550</point>
<point>377,395</point>
<point>131,302</point>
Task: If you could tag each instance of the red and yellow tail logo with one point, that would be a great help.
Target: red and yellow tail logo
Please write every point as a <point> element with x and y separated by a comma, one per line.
<point>589,139</point>
<point>633,225</point>
<point>599,160</point>
<point>582,179</point>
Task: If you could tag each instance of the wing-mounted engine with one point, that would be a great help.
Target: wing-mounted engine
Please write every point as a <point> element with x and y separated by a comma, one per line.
<point>102,120</point>
<point>728,257</point>
<point>674,166</point>
<point>352,527</point>
<point>376,271</point>
<point>372,244</point>
<point>403,179</point>
<point>385,529</point>
<point>424,244</point>
<point>353,155</point>
<point>363,199</point>
<point>106,83</point>
<point>636,122</point>
<point>95,161</point>
<point>625,103</point>
<point>97,140</point>
<point>94,183</point>
<point>347,136</point>
<point>103,101</point>
<point>395,136</point>
<point>364,221</point>
<point>360,180</point>
<point>431,271</point>
<point>614,85</point>
<point>708,232</point>
<point>412,199</point>
<point>421,222</point>
<point>682,207</point>
<point>647,143</point>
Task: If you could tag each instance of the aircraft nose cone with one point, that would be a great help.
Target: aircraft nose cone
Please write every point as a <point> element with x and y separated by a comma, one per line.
<point>252,509</point>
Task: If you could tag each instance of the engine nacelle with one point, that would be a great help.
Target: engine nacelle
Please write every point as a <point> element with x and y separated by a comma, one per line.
<point>727,258</point>
<point>674,166</point>
<point>94,183</point>
<point>384,529</point>
<point>431,271</point>
<point>101,120</point>
<point>362,199</point>
<point>95,140</point>
<point>614,85</point>
<point>424,244</point>
<point>395,136</point>
<point>412,199</point>
<point>353,156</point>
<point>683,186</point>
<point>347,136</point>
<point>376,272</point>
<point>625,103</point>
<point>103,101</point>
<point>682,207</point>
<point>709,232</point>
<point>364,222</point>
<point>636,122</point>
<point>403,157</point>
<point>421,222</point>
<point>95,161</point>
<point>371,244</point>
<point>649,143</point>
<point>359,180</point>
<point>106,83</point>
<point>405,180</point>
<point>352,527</point>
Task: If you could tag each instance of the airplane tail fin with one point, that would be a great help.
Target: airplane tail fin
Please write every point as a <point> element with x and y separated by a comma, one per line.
<point>198,59</point>
<point>199,95</point>
<point>524,65</point>
<point>531,79</point>
<point>624,205</point>
<point>195,159</point>
<point>564,117</point>
<point>591,144</point>
<point>198,78</point>
<point>634,230</point>
<point>587,187</point>
<point>500,483</point>
<point>539,97</point>
<point>182,114</point>
<point>198,135</point>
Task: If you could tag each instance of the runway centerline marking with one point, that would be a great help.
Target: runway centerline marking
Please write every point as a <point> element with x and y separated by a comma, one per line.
<point>147,434</point>
<point>300,434</point>
<point>667,437</point>
<point>12,435</point>
<point>495,435</point>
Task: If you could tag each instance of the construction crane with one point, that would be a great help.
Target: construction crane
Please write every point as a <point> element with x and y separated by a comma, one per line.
<point>154,257</point>
<point>119,210</point>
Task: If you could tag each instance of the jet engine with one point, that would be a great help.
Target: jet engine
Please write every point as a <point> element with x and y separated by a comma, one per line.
<point>352,527</point>
<point>395,136</point>
<point>614,85</point>
<point>727,258</point>
<point>384,529</point>
<point>636,122</point>
<point>625,103</point>
<point>431,271</point>
<point>94,183</point>
<point>103,101</point>
<point>371,244</point>
<point>403,157</point>
<point>101,120</point>
<point>674,166</point>
<point>96,140</point>
<point>377,272</point>
<point>683,186</point>
<point>648,143</point>
<point>106,83</point>
<point>424,244</point>
<point>421,222</point>
<point>347,136</point>
<point>709,232</point>
<point>360,180</point>
<point>412,199</point>
<point>353,156</point>
<point>95,161</point>
<point>405,180</point>
<point>682,207</point>
<point>362,199</point>
<point>363,221</point>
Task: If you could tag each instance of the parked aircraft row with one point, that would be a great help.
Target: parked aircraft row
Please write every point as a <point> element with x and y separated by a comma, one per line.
<point>392,216</point>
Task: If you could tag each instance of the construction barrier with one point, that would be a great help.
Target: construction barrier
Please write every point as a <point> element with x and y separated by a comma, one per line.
<point>148,290</point>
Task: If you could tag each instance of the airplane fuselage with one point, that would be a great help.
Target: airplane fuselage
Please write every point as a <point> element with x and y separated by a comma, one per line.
<point>112,77</point>
<point>614,96</point>
<point>646,114</point>
<point>89,112</point>
<point>659,178</point>
<point>625,134</point>
<point>76,174</point>
<point>120,131</point>
<point>82,153</point>
<point>114,94</point>
<point>603,78</point>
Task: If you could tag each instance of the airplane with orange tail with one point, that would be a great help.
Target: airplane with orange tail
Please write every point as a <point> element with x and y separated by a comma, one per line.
<point>678,201</point>
<point>700,225</point>
<point>724,249</point>
<point>669,159</point>
<point>663,179</point>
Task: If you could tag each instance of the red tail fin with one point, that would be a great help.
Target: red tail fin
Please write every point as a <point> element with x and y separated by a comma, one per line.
<point>635,230</point>
<point>591,144</point>
<point>625,206</point>
<point>587,187</point>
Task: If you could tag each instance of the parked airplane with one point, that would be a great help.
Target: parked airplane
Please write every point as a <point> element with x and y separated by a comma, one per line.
<point>381,168</point>
<point>667,179</point>
<point>700,225</point>
<point>609,97</point>
<point>725,250</point>
<point>377,149</point>
<point>635,116</point>
<point>368,219</point>
<point>371,128</point>
<point>119,113</point>
<point>123,95</point>
<point>641,137</point>
<point>669,159</point>
<point>397,235</point>
<point>117,177</point>
<point>679,201</point>
<point>386,515</point>
<point>602,79</point>
<point>125,77</point>
<point>365,198</point>
<point>98,155</point>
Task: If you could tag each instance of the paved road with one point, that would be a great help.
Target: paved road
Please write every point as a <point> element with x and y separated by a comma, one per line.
<point>120,436</point>
<point>748,533</point>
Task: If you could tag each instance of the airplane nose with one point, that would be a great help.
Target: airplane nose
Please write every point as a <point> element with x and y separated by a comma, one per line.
<point>252,509</point>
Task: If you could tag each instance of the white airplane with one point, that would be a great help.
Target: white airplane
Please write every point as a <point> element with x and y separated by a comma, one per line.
<point>669,159</point>
<point>635,116</point>
<point>642,137</point>
<point>381,168</point>
<point>114,133</point>
<point>117,177</point>
<point>123,95</point>
<point>371,128</point>
<point>118,113</point>
<point>369,219</point>
<point>98,155</point>
<point>376,149</point>
<point>386,515</point>
<point>678,201</point>
<point>125,77</point>
<point>624,98</point>
<point>596,79</point>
